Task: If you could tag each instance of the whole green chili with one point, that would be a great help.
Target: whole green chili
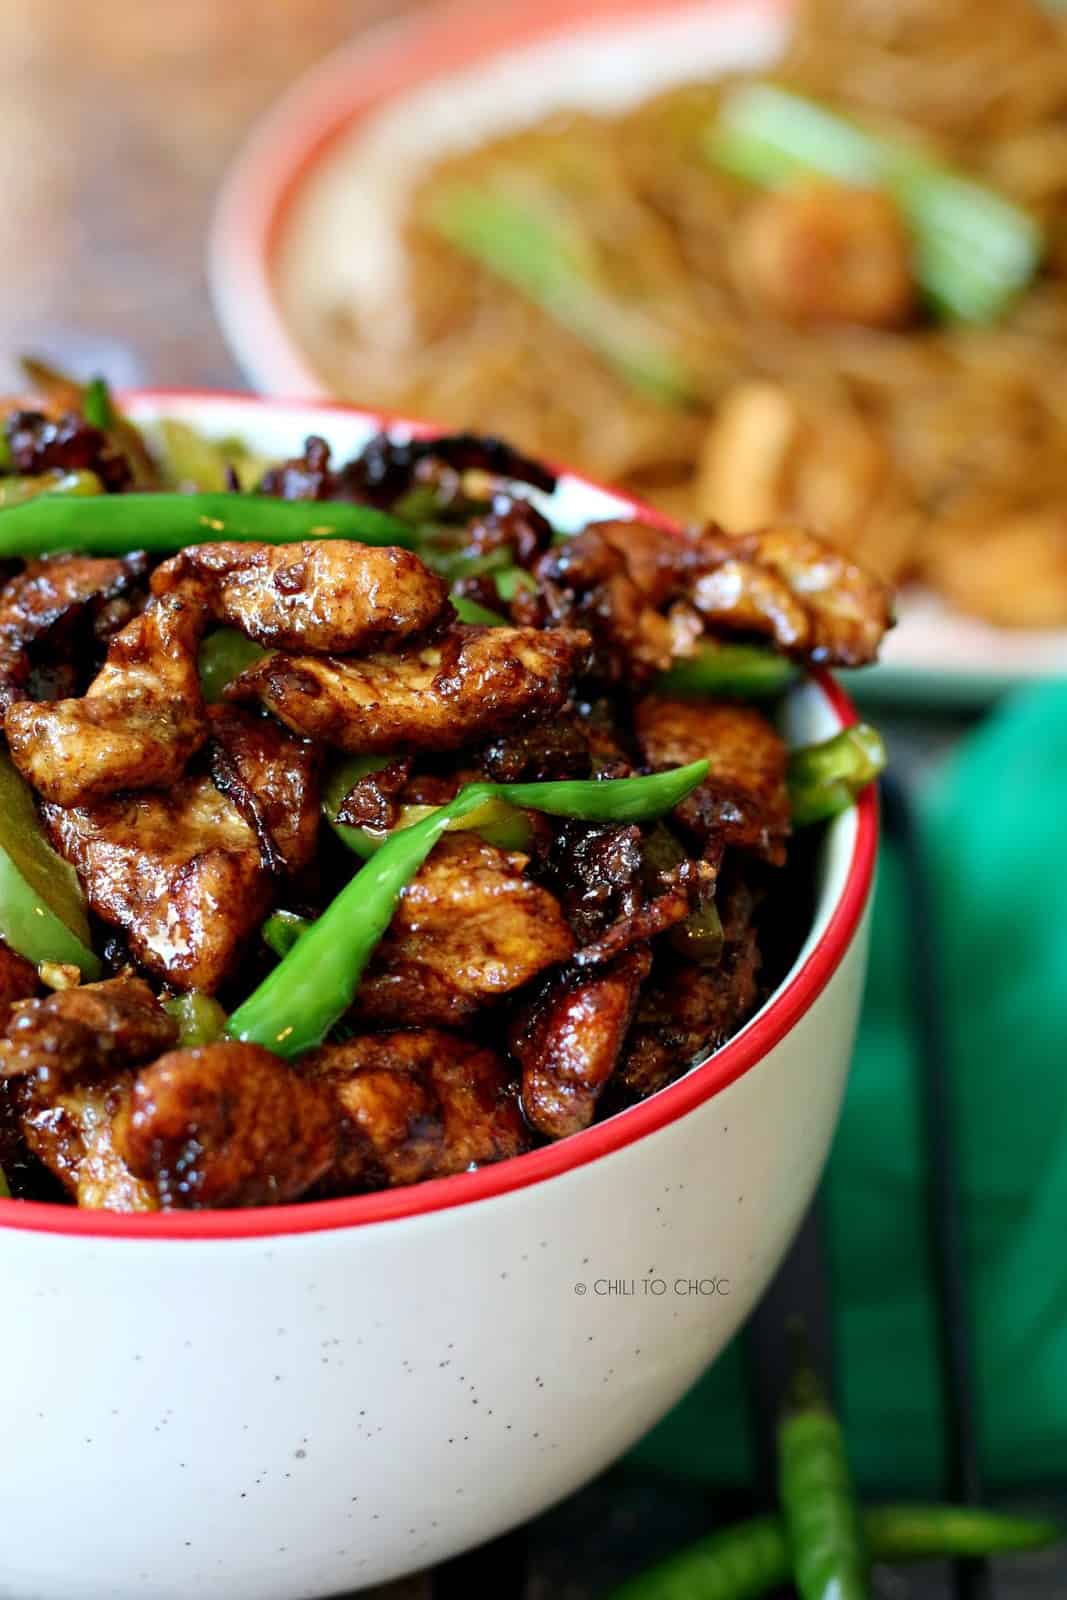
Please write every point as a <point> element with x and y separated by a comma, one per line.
<point>295,1007</point>
<point>827,1548</point>
<point>752,1558</point>
<point>113,523</point>
<point>824,779</point>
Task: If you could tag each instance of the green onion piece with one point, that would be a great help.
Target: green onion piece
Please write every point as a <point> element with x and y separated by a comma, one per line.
<point>201,1020</point>
<point>471,611</point>
<point>97,408</point>
<point>975,250</point>
<point>528,243</point>
<point>824,779</point>
<point>312,988</point>
<point>223,656</point>
<point>742,671</point>
<point>42,907</point>
<point>282,929</point>
<point>16,489</point>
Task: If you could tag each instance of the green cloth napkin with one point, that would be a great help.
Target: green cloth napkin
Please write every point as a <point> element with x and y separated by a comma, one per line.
<point>994,826</point>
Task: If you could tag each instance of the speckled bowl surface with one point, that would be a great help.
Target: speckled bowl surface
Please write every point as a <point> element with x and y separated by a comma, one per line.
<point>297,1401</point>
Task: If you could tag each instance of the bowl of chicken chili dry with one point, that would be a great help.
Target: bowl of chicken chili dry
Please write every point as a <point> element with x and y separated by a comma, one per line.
<point>395,831</point>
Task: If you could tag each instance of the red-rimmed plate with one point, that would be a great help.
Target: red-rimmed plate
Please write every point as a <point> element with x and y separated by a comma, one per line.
<point>310,211</point>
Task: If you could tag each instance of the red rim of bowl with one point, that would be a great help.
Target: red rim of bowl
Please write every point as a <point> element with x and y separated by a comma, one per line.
<point>699,1084</point>
<point>323,104</point>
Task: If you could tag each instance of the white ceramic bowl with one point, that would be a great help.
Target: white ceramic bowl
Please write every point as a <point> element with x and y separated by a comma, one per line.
<point>272,1404</point>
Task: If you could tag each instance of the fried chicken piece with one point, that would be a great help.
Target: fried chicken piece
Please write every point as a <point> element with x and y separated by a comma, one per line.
<point>179,872</point>
<point>595,869</point>
<point>90,1031</point>
<point>227,1125</point>
<point>469,927</point>
<point>415,1105</point>
<point>66,443</point>
<point>744,802</point>
<point>646,593</point>
<point>472,684</point>
<point>55,603</point>
<point>186,873</point>
<point>76,1131</point>
<point>568,1042</point>
<point>689,884</point>
<point>140,721</point>
<point>687,1011</point>
<point>323,596</point>
<point>18,981</point>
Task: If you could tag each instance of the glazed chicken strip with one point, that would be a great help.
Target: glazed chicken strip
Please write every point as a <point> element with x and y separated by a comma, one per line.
<point>569,1039</point>
<point>416,1105</point>
<point>85,1032</point>
<point>50,600</point>
<point>323,596</point>
<point>68,1061</point>
<point>472,684</point>
<point>227,1125</point>
<point>75,1131</point>
<point>182,872</point>
<point>648,589</point>
<point>745,801</point>
<point>141,720</point>
<point>469,928</point>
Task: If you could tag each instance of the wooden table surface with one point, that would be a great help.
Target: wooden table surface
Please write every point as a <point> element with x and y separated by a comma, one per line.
<point>118,122</point>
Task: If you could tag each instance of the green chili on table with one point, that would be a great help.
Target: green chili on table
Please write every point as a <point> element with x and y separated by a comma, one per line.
<point>824,779</point>
<point>752,1558</point>
<point>42,907</point>
<point>111,524</point>
<point>313,987</point>
<point>827,1548</point>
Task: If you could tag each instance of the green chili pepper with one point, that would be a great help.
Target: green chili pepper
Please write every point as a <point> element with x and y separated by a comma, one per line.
<point>295,1007</point>
<point>97,408</point>
<point>200,1019</point>
<point>471,611</point>
<point>42,908</point>
<point>15,490</point>
<point>741,671</point>
<point>282,929</point>
<point>512,579</point>
<point>749,1560</point>
<point>829,1556</point>
<point>223,656</point>
<point>113,523</point>
<point>824,779</point>
<point>190,460</point>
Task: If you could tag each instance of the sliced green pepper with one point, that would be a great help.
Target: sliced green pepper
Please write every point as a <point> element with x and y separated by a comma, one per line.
<point>200,1019</point>
<point>223,656</point>
<point>42,907</point>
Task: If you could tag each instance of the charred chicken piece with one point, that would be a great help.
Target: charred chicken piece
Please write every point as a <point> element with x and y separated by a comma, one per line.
<point>415,1105</point>
<point>227,1125</point>
<point>321,596</point>
<point>646,593</point>
<point>568,1042</point>
<point>186,873</point>
<point>39,443</point>
<point>136,728</point>
<point>595,869</point>
<point>52,606</point>
<point>84,1032</point>
<point>389,467</point>
<point>469,928</point>
<point>686,1011</point>
<point>745,801</point>
<point>76,1131</point>
<point>472,684</point>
